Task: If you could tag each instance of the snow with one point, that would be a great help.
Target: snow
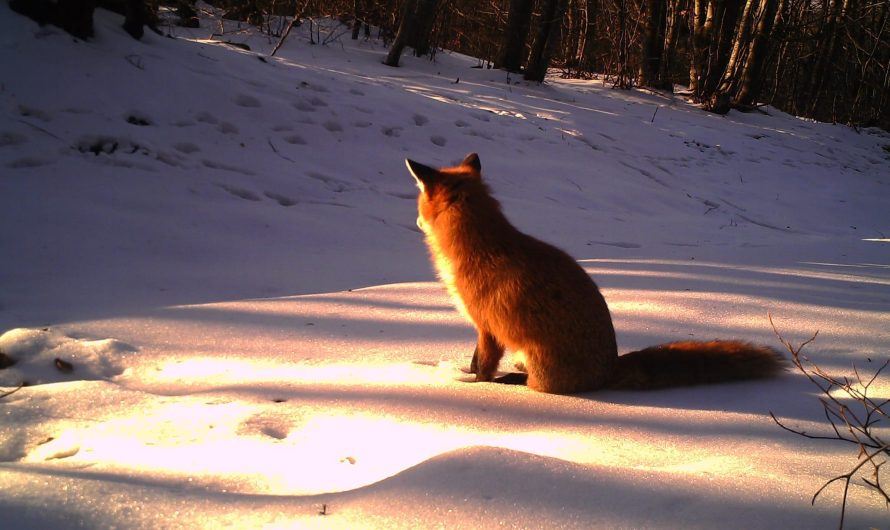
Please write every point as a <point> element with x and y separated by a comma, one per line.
<point>224,250</point>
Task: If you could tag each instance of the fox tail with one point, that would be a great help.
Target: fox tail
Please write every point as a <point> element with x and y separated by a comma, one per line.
<point>695,363</point>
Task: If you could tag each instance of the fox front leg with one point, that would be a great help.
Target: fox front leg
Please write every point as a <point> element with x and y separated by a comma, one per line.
<point>486,357</point>
<point>474,363</point>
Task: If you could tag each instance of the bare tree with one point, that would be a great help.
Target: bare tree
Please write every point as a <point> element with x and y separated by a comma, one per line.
<point>547,40</point>
<point>653,43</point>
<point>512,52</point>
<point>415,26</point>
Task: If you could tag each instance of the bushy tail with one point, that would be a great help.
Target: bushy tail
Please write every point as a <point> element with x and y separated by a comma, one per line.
<point>695,363</point>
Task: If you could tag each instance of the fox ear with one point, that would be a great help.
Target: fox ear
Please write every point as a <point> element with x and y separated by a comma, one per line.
<point>472,161</point>
<point>424,176</point>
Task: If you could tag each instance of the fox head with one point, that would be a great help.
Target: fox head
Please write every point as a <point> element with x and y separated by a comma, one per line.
<point>441,188</point>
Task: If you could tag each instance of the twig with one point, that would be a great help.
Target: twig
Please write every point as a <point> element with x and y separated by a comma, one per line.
<point>41,129</point>
<point>13,391</point>
<point>847,425</point>
<point>275,150</point>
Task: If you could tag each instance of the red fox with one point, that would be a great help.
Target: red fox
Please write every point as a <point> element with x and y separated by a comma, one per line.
<point>524,295</point>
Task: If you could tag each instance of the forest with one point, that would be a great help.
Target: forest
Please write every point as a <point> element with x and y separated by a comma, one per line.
<point>827,60</point>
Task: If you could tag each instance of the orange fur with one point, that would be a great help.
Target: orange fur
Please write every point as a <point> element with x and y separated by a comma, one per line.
<point>524,295</point>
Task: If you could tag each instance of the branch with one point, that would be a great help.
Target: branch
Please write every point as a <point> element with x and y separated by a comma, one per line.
<point>13,391</point>
<point>846,425</point>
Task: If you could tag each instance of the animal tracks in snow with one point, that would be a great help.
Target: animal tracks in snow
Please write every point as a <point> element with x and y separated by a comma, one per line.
<point>244,100</point>
<point>280,199</point>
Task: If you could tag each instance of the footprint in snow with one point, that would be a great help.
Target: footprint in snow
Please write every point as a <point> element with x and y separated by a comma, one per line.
<point>206,117</point>
<point>244,100</point>
<point>420,120</point>
<point>33,112</point>
<point>317,102</point>
<point>393,132</point>
<point>12,138</point>
<point>186,148</point>
<point>333,126</point>
<point>228,128</point>
<point>295,139</point>
<point>304,106</point>
<point>212,164</point>
<point>479,134</point>
<point>139,119</point>
<point>356,92</point>
<point>241,193</point>
<point>55,448</point>
<point>439,140</point>
<point>280,199</point>
<point>310,86</point>
<point>28,162</point>
<point>310,104</point>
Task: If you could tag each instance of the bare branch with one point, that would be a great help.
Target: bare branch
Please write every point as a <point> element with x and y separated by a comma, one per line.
<point>845,423</point>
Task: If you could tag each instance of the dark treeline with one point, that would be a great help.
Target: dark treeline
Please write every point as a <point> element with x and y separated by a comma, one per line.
<point>823,59</point>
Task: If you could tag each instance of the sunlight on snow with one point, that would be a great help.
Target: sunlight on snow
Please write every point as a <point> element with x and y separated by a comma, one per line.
<point>216,371</point>
<point>331,452</point>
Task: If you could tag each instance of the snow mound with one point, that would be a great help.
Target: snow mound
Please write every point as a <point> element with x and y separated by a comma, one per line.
<point>42,356</point>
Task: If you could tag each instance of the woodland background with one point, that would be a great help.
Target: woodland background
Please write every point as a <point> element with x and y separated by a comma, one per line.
<point>823,59</point>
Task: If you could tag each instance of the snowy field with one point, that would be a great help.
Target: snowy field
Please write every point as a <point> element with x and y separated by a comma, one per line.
<point>222,245</point>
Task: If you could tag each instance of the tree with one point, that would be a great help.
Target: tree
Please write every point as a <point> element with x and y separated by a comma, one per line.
<point>653,44</point>
<point>360,15</point>
<point>137,17</point>
<point>415,27</point>
<point>547,40</point>
<point>512,51</point>
<point>73,16</point>
<point>751,76</point>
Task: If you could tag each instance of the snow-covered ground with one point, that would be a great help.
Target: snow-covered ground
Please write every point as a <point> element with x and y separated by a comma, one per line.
<point>222,246</point>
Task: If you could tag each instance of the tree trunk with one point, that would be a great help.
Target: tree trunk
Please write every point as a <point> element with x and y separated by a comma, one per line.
<point>588,52</point>
<point>832,31</point>
<point>653,43</point>
<point>547,40</point>
<point>136,17</point>
<point>699,45</point>
<point>750,78</point>
<point>740,45</point>
<point>671,30</point>
<point>414,30</point>
<point>359,17</point>
<point>713,43</point>
<point>515,35</point>
<point>425,17</point>
<point>73,16</point>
